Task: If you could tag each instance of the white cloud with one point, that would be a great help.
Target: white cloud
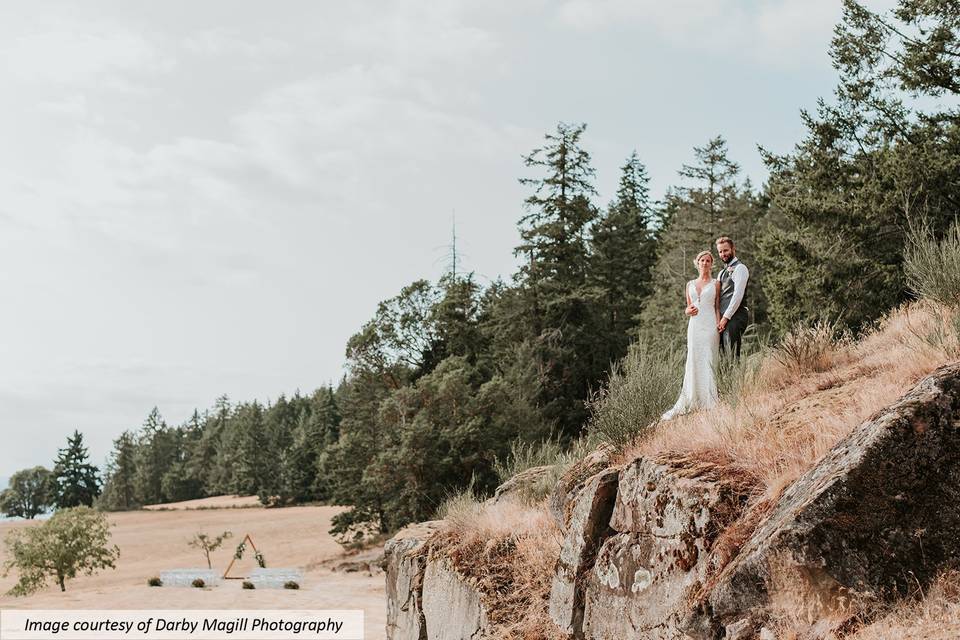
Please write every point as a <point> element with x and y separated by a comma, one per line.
<point>71,106</point>
<point>228,42</point>
<point>775,33</point>
<point>81,53</point>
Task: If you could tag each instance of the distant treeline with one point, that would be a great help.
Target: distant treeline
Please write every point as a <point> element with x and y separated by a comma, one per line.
<point>447,375</point>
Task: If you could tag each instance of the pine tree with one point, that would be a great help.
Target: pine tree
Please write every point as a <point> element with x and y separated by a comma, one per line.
<point>623,253</point>
<point>119,490</point>
<point>156,452</point>
<point>883,155</point>
<point>74,478</point>
<point>556,310</point>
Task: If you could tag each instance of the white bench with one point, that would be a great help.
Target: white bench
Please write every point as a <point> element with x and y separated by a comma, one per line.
<point>185,577</point>
<point>274,578</point>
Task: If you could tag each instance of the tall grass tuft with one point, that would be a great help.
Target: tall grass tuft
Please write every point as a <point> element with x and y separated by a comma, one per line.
<point>807,348</point>
<point>932,267</point>
<point>736,377</point>
<point>640,388</point>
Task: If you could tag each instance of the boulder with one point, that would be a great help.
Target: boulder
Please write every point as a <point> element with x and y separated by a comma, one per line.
<point>877,516</point>
<point>524,485</point>
<point>666,517</point>
<point>451,605</point>
<point>572,481</point>
<point>588,527</point>
<point>404,563</point>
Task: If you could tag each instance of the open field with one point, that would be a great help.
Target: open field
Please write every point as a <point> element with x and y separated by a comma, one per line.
<point>153,541</point>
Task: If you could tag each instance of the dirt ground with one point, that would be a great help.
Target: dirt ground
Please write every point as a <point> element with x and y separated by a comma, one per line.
<point>155,540</point>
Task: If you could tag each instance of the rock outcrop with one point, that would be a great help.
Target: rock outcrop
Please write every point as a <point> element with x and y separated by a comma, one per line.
<point>665,520</point>
<point>571,483</point>
<point>523,485</point>
<point>452,607</point>
<point>879,513</point>
<point>404,563</point>
<point>587,528</point>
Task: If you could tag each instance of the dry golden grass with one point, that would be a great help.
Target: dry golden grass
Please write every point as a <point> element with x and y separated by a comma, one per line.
<point>508,551</point>
<point>798,405</point>
<point>935,616</point>
<point>788,416</point>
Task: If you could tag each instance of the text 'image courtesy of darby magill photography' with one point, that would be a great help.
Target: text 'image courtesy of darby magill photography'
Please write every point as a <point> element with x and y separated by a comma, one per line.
<point>526,320</point>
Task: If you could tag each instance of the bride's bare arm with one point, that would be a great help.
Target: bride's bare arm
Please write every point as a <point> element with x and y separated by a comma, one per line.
<point>716,302</point>
<point>690,310</point>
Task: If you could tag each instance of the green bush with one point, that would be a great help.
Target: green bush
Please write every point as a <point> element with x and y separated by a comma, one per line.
<point>641,387</point>
<point>154,582</point>
<point>291,585</point>
<point>72,541</point>
<point>932,267</point>
<point>199,583</point>
<point>248,585</point>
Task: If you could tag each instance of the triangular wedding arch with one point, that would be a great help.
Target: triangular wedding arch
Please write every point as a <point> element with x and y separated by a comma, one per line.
<point>238,555</point>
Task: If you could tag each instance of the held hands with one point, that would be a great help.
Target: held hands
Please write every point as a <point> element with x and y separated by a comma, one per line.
<point>722,325</point>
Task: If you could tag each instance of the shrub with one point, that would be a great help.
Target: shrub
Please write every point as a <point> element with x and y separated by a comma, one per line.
<point>248,585</point>
<point>154,582</point>
<point>72,541</point>
<point>640,388</point>
<point>199,583</point>
<point>290,584</point>
<point>208,543</point>
<point>807,348</point>
<point>931,267</point>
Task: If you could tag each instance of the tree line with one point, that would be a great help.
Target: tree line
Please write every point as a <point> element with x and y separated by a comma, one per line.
<point>447,374</point>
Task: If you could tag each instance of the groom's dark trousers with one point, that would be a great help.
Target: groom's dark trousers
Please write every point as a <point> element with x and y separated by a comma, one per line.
<point>731,335</point>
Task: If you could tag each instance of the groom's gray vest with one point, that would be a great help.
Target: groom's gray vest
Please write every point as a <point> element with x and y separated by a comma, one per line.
<point>726,292</point>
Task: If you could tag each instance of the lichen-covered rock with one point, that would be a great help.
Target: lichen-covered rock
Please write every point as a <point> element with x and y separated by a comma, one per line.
<point>588,527</point>
<point>452,606</point>
<point>524,485</point>
<point>404,562</point>
<point>878,514</point>
<point>667,499</point>
<point>666,517</point>
<point>571,483</point>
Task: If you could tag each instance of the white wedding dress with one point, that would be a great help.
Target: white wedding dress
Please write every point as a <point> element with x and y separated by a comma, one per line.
<point>703,348</point>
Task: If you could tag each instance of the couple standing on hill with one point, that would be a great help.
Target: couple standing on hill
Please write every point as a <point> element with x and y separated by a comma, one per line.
<point>718,318</point>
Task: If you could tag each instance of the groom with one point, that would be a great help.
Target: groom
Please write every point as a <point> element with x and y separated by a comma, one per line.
<point>733,285</point>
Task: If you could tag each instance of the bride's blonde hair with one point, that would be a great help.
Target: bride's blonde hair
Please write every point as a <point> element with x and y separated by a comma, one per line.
<point>696,261</point>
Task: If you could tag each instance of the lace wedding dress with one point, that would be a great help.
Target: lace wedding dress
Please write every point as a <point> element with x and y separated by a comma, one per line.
<point>703,345</point>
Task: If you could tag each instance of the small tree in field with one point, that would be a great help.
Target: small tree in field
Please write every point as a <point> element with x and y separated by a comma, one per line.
<point>72,541</point>
<point>29,493</point>
<point>207,544</point>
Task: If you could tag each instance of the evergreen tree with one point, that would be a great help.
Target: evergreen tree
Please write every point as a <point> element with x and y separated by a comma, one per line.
<point>156,453</point>
<point>254,463</point>
<point>212,460</point>
<point>623,253</point>
<point>871,163</point>
<point>119,489</point>
<point>557,311</point>
<point>75,480</point>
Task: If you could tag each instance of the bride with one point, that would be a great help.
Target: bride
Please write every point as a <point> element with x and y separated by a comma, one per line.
<point>703,341</point>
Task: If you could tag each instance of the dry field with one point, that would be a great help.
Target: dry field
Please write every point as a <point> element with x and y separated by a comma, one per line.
<point>151,541</point>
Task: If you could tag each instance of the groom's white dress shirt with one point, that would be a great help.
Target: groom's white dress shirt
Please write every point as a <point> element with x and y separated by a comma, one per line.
<point>739,276</point>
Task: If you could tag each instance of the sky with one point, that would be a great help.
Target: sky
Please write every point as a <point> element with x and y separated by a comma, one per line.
<point>208,198</point>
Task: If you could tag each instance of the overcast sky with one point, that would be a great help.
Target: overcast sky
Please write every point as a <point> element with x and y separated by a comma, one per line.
<point>206,198</point>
